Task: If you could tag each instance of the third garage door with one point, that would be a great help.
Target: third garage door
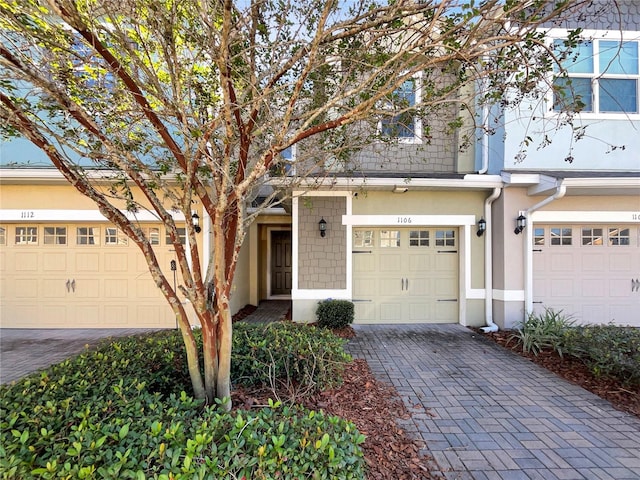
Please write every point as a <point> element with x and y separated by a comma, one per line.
<point>405,275</point>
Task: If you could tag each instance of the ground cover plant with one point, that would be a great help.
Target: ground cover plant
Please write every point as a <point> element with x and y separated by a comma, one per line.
<point>121,411</point>
<point>604,359</point>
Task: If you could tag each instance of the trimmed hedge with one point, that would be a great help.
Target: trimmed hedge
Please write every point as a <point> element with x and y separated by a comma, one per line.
<point>119,412</point>
<point>335,313</point>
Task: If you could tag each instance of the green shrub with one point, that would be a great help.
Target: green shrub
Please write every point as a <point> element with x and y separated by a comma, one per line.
<point>607,350</point>
<point>129,418</point>
<point>291,358</point>
<point>540,331</point>
<point>335,313</point>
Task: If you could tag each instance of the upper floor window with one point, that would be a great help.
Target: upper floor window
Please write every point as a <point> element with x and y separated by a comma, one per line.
<point>26,235</point>
<point>602,76</point>
<point>405,125</point>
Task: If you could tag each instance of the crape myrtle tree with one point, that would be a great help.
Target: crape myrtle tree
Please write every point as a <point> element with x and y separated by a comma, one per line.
<point>173,103</point>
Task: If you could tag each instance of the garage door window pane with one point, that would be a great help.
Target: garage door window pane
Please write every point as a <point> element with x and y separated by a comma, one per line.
<point>618,236</point>
<point>3,236</point>
<point>389,238</point>
<point>114,236</point>
<point>592,236</point>
<point>55,235</point>
<point>445,238</point>
<point>26,235</point>
<point>419,238</point>
<point>87,236</point>
<point>561,236</point>
<point>538,236</point>
<point>182,236</point>
<point>363,238</point>
<point>152,234</point>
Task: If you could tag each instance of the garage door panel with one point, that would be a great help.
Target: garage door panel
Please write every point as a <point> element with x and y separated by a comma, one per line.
<point>116,262</point>
<point>87,262</point>
<point>390,263</point>
<point>117,315</point>
<point>621,262</point>
<point>55,288</point>
<point>561,262</point>
<point>26,262</point>
<point>54,262</point>
<point>87,316</point>
<point>26,288</point>
<point>599,289</point>
<point>619,312</point>
<point>445,311</point>
<point>87,288</point>
<point>116,288</point>
<point>403,282</point>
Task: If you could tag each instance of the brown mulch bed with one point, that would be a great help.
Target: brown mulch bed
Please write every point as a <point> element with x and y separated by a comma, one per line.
<point>572,369</point>
<point>373,407</point>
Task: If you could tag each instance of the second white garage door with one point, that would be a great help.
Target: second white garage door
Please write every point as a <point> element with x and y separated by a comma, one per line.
<point>591,272</point>
<point>406,275</point>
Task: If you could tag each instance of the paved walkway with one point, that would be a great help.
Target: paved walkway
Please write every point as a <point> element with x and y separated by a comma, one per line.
<point>491,414</point>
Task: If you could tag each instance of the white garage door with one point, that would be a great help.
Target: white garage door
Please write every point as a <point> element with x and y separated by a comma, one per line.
<point>79,276</point>
<point>407,275</point>
<point>591,272</point>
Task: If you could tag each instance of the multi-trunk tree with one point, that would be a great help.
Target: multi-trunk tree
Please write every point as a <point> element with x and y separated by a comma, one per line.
<point>173,102</point>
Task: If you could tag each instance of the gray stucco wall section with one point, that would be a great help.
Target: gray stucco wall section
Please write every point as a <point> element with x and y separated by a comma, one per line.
<point>322,260</point>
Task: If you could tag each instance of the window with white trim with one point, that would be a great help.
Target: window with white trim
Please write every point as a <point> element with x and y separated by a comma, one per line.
<point>3,236</point>
<point>26,235</point>
<point>405,126</point>
<point>445,238</point>
<point>182,236</point>
<point>362,238</point>
<point>619,236</point>
<point>389,238</point>
<point>592,236</point>
<point>538,236</point>
<point>55,235</point>
<point>419,238</point>
<point>602,76</point>
<point>114,236</point>
<point>152,234</point>
<point>87,236</point>
<point>561,236</point>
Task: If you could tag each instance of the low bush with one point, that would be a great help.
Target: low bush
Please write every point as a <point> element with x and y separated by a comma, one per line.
<point>541,331</point>
<point>119,412</point>
<point>335,313</point>
<point>607,350</point>
<point>292,359</point>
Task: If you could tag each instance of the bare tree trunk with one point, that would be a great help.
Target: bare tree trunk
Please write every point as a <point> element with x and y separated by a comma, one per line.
<point>210,351</point>
<point>193,364</point>
<point>225,336</point>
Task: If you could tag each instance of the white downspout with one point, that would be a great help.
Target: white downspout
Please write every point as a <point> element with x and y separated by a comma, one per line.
<point>485,142</point>
<point>561,189</point>
<point>488,264</point>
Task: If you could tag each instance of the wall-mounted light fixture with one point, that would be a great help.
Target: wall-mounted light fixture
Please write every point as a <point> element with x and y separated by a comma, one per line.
<point>397,189</point>
<point>195,220</point>
<point>322,226</point>
<point>521,222</point>
<point>482,227</point>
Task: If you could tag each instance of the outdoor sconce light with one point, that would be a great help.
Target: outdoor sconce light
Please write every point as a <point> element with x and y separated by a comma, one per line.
<point>322,226</point>
<point>195,220</point>
<point>521,222</point>
<point>482,227</point>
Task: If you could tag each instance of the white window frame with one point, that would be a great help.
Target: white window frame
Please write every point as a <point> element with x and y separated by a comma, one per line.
<point>595,37</point>
<point>417,120</point>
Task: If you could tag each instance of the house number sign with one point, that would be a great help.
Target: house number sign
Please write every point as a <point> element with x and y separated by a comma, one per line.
<point>27,214</point>
<point>405,220</point>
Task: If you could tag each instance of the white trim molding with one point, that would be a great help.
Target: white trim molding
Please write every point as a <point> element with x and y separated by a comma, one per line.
<point>38,215</point>
<point>549,216</point>
<point>401,220</point>
<point>508,295</point>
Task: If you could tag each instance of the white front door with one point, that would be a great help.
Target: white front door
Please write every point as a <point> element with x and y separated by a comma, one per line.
<point>405,275</point>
